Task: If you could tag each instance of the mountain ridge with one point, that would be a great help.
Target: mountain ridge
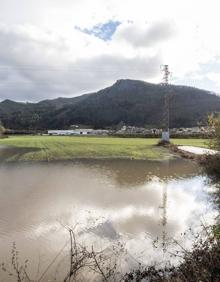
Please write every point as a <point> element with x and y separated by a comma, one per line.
<point>134,102</point>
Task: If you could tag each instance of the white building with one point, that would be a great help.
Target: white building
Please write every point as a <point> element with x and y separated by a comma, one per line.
<point>69,132</point>
<point>77,131</point>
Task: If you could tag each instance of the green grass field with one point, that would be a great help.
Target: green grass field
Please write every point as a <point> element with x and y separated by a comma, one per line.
<point>49,148</point>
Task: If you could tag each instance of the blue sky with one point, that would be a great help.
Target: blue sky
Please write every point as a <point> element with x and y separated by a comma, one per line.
<point>103,31</point>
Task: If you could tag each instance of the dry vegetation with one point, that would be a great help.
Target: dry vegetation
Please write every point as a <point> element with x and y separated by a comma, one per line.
<point>85,264</point>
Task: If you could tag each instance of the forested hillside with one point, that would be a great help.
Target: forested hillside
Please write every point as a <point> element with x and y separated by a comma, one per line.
<point>131,101</point>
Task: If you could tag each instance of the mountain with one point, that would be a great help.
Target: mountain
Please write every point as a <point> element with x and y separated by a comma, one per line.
<point>131,101</point>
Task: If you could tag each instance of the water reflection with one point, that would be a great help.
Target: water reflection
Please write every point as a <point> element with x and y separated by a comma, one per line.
<point>132,173</point>
<point>135,202</point>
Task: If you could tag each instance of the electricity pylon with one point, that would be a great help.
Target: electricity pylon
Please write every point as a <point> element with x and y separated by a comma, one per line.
<point>166,118</point>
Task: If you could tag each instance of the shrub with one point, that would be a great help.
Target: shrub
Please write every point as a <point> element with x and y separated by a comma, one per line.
<point>2,129</point>
<point>214,122</point>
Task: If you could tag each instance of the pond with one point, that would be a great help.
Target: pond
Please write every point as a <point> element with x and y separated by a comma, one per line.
<point>106,202</point>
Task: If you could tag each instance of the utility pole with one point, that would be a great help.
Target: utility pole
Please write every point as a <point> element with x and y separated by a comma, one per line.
<point>166,119</point>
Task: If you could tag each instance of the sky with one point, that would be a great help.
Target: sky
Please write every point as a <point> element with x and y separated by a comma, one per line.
<point>65,48</point>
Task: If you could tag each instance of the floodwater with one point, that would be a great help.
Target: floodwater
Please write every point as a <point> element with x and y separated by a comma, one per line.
<point>105,202</point>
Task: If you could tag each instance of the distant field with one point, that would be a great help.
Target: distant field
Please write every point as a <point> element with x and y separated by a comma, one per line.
<point>49,148</point>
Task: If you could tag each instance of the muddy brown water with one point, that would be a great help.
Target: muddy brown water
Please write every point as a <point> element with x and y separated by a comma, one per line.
<point>106,201</point>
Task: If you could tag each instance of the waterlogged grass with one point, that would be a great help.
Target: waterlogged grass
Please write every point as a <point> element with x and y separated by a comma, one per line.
<point>51,148</point>
<point>66,148</point>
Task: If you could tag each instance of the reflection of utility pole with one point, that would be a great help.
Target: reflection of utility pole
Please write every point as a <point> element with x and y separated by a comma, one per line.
<point>164,217</point>
<point>166,121</point>
<point>163,208</point>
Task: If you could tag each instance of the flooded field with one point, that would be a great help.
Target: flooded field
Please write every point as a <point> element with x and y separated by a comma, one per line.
<point>105,202</point>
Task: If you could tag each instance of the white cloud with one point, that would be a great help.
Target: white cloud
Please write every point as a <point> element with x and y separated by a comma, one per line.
<point>145,35</point>
<point>46,56</point>
<point>39,64</point>
<point>215,77</point>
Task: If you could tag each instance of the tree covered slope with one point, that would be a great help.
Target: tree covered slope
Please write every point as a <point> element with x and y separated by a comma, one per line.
<point>131,101</point>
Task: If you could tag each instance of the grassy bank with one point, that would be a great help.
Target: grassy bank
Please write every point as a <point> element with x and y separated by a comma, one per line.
<point>51,148</point>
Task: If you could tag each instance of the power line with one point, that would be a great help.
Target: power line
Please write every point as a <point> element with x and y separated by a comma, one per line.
<point>71,68</point>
